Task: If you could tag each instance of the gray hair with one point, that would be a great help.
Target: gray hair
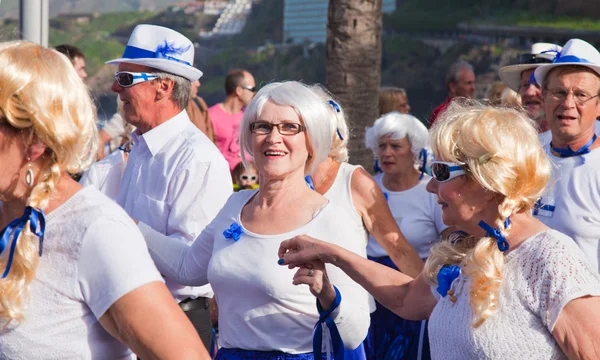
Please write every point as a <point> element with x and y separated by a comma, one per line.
<point>182,88</point>
<point>398,126</point>
<point>455,69</point>
<point>313,113</point>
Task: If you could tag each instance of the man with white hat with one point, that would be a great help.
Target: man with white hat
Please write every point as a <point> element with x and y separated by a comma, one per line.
<point>518,77</point>
<point>571,85</point>
<point>176,180</point>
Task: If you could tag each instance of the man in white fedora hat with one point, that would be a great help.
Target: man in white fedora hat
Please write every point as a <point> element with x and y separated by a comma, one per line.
<point>518,77</point>
<point>176,180</point>
<point>571,85</point>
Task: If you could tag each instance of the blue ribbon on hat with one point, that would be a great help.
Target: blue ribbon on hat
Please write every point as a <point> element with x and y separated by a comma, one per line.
<point>37,225</point>
<point>568,152</point>
<point>336,338</point>
<point>163,51</point>
<point>541,206</point>
<point>496,234</point>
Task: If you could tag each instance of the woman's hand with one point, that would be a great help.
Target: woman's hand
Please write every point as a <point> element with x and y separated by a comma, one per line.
<point>303,249</point>
<point>315,276</point>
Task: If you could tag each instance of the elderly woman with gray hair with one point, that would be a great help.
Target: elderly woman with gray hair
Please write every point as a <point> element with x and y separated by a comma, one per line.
<point>400,143</point>
<point>262,313</point>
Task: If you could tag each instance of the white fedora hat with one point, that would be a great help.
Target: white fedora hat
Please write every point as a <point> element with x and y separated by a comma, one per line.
<point>541,53</point>
<point>160,48</point>
<point>575,52</point>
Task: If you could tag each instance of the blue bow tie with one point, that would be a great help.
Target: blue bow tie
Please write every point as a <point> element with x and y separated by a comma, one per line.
<point>37,225</point>
<point>568,152</point>
<point>496,234</point>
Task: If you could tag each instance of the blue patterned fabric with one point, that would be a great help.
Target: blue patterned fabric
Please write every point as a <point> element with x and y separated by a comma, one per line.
<point>392,337</point>
<point>239,354</point>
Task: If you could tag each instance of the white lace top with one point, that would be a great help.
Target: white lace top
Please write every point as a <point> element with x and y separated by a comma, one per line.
<point>541,276</point>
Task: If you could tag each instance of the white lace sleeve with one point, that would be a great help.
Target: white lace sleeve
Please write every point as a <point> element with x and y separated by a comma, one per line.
<point>558,275</point>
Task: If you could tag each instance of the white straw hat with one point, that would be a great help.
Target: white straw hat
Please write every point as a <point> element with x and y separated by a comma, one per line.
<point>575,52</point>
<point>541,53</point>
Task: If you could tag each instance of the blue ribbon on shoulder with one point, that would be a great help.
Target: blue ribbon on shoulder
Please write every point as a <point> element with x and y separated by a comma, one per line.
<point>445,277</point>
<point>336,338</point>
<point>568,152</point>
<point>37,225</point>
<point>496,234</point>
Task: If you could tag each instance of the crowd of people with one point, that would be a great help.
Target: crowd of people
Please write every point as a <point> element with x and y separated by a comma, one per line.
<point>241,231</point>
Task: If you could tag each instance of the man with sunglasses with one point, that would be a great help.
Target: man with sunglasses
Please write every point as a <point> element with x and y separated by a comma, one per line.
<point>226,116</point>
<point>176,180</point>
<point>570,86</point>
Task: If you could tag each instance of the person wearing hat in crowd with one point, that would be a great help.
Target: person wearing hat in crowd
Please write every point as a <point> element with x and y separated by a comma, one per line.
<point>175,180</point>
<point>571,85</point>
<point>460,81</point>
<point>227,116</point>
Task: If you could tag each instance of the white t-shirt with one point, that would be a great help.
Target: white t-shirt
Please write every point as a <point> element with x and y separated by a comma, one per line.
<point>540,277</point>
<point>418,215</point>
<point>259,307</point>
<point>93,254</point>
<point>105,175</point>
<point>572,203</point>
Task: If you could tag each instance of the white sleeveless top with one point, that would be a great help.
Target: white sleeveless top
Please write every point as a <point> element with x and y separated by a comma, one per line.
<point>340,193</point>
<point>93,254</point>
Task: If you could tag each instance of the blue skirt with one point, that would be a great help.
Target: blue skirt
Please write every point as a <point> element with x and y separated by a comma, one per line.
<point>392,337</point>
<point>239,354</point>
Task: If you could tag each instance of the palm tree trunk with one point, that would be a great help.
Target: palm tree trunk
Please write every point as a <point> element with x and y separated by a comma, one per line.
<point>354,67</point>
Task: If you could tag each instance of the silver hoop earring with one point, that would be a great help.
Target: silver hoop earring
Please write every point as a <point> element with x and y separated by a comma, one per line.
<point>29,175</point>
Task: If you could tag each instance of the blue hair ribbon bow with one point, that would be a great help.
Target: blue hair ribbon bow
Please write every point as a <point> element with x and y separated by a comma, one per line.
<point>445,278</point>
<point>234,232</point>
<point>337,109</point>
<point>37,225</point>
<point>423,158</point>
<point>496,234</point>
<point>336,338</point>
<point>568,152</point>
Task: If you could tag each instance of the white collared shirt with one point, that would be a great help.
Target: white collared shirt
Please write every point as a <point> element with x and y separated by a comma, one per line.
<point>175,183</point>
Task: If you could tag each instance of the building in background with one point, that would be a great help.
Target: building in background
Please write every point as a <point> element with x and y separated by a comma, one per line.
<point>306,20</point>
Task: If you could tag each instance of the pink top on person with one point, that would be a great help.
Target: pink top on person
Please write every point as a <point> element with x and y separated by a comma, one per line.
<point>227,128</point>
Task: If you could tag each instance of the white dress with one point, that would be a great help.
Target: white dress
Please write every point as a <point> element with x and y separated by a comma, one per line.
<point>540,277</point>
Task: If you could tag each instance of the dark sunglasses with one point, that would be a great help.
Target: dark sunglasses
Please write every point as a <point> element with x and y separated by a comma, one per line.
<point>252,89</point>
<point>532,59</point>
<point>127,79</point>
<point>443,171</point>
<point>248,177</point>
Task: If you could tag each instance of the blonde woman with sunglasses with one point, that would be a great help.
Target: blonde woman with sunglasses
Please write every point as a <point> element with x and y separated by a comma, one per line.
<point>515,288</point>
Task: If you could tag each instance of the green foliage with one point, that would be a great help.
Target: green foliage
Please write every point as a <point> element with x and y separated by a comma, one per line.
<point>524,18</point>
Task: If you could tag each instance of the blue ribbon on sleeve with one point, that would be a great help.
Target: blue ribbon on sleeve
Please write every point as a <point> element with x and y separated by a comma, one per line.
<point>37,225</point>
<point>336,338</point>
<point>445,278</point>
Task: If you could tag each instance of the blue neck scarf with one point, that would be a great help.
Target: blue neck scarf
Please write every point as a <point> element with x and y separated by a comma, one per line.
<point>37,225</point>
<point>496,234</point>
<point>568,152</point>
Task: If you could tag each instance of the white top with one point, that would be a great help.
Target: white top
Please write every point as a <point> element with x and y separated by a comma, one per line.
<point>540,277</point>
<point>175,183</point>
<point>418,215</point>
<point>572,203</point>
<point>340,193</point>
<point>259,307</point>
<point>105,175</point>
<point>92,255</point>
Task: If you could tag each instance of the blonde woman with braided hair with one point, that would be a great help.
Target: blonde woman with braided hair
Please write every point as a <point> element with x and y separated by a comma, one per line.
<point>515,288</point>
<point>77,280</point>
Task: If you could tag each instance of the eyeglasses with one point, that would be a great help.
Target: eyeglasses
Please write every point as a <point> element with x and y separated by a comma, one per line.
<point>443,171</point>
<point>253,89</point>
<point>248,177</point>
<point>264,128</point>
<point>127,79</point>
<point>579,96</point>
